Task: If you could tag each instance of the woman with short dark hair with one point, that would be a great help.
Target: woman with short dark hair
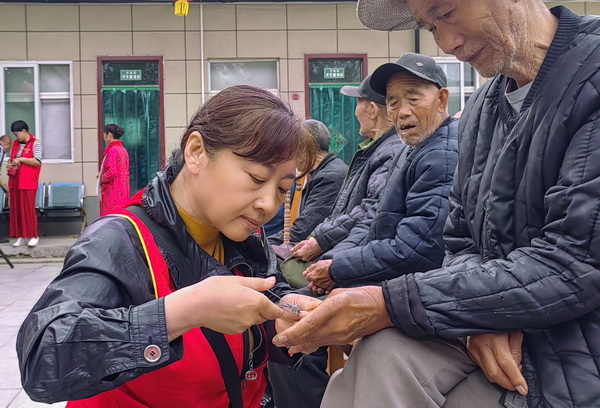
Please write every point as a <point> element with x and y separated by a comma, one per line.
<point>23,170</point>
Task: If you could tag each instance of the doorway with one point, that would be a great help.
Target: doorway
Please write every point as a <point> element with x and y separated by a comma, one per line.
<point>325,76</point>
<point>131,96</point>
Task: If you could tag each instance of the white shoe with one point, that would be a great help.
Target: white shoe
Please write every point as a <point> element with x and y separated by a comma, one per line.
<point>33,242</point>
<point>19,242</point>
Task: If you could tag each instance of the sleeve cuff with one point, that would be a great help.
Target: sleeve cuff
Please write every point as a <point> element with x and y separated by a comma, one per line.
<point>403,304</point>
<point>149,333</point>
<point>330,272</point>
<point>322,243</point>
<point>392,294</point>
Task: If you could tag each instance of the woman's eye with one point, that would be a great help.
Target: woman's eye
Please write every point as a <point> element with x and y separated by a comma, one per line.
<point>283,191</point>
<point>256,180</point>
<point>447,15</point>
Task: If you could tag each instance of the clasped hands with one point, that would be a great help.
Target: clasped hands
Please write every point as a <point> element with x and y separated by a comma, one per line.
<point>499,357</point>
<point>13,163</point>
<point>318,277</point>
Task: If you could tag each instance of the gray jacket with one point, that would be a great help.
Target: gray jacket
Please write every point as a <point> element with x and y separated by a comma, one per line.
<point>363,186</point>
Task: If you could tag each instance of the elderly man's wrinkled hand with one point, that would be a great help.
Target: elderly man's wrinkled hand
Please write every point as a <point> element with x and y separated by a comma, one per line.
<point>318,276</point>
<point>499,356</point>
<point>346,315</point>
<point>317,290</point>
<point>307,250</point>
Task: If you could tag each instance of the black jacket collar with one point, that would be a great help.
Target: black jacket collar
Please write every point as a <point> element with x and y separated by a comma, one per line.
<point>567,29</point>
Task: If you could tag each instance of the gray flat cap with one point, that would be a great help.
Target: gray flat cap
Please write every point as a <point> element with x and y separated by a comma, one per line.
<point>385,15</point>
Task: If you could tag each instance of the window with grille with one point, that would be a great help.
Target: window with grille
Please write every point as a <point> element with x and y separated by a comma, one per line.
<point>462,82</point>
<point>41,94</point>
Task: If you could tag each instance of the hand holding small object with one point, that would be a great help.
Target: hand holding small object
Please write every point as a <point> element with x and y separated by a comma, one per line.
<point>293,309</point>
<point>209,304</point>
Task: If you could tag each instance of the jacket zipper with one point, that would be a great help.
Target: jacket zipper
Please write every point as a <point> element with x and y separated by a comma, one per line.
<point>488,252</point>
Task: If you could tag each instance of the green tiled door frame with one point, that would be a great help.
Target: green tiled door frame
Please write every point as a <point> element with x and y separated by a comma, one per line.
<point>130,94</point>
<point>325,74</point>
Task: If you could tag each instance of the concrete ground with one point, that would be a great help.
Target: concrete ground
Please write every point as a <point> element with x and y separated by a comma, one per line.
<point>49,249</point>
<point>20,288</point>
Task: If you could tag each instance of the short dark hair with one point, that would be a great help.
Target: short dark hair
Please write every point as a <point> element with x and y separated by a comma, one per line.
<point>116,130</point>
<point>254,124</point>
<point>18,126</point>
<point>320,132</point>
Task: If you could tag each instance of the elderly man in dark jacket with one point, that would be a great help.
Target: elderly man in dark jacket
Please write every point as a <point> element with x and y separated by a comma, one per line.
<point>366,177</point>
<point>522,271</point>
<point>363,186</point>
<point>403,232</point>
<point>319,193</point>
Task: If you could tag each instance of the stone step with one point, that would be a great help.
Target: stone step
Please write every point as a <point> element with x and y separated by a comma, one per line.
<point>54,247</point>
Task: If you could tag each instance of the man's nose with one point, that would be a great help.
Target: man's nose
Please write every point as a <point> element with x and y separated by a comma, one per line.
<point>404,110</point>
<point>449,39</point>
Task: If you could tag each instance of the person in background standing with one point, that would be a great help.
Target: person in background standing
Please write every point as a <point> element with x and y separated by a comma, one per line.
<point>23,177</point>
<point>5,142</point>
<point>114,171</point>
<point>321,187</point>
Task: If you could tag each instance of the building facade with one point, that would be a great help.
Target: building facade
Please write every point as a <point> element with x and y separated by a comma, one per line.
<point>68,69</point>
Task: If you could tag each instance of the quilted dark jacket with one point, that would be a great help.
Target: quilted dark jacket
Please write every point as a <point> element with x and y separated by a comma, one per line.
<point>523,235</point>
<point>362,188</point>
<point>317,200</point>
<point>87,332</point>
<point>403,233</point>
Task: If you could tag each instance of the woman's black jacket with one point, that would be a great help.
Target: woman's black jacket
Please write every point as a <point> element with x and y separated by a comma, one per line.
<point>88,331</point>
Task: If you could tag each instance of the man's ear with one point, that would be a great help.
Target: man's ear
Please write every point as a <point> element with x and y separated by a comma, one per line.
<point>195,152</point>
<point>373,110</point>
<point>443,97</point>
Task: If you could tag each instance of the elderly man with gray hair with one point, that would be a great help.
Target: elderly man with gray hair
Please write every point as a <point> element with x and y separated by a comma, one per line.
<point>521,276</point>
<point>320,189</point>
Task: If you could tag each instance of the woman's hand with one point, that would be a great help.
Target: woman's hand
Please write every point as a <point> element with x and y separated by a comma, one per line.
<point>226,304</point>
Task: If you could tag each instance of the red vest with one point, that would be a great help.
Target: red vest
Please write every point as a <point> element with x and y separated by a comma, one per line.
<point>195,381</point>
<point>29,176</point>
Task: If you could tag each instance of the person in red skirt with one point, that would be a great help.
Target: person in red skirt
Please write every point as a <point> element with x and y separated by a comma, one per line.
<point>23,178</point>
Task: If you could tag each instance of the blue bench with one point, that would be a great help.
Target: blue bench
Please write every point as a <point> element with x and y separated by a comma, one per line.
<point>64,199</point>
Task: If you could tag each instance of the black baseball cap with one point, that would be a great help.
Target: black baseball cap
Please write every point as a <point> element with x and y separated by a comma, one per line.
<point>364,90</point>
<point>420,65</point>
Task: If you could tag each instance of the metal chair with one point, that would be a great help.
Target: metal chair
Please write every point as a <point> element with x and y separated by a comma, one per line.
<point>65,199</point>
